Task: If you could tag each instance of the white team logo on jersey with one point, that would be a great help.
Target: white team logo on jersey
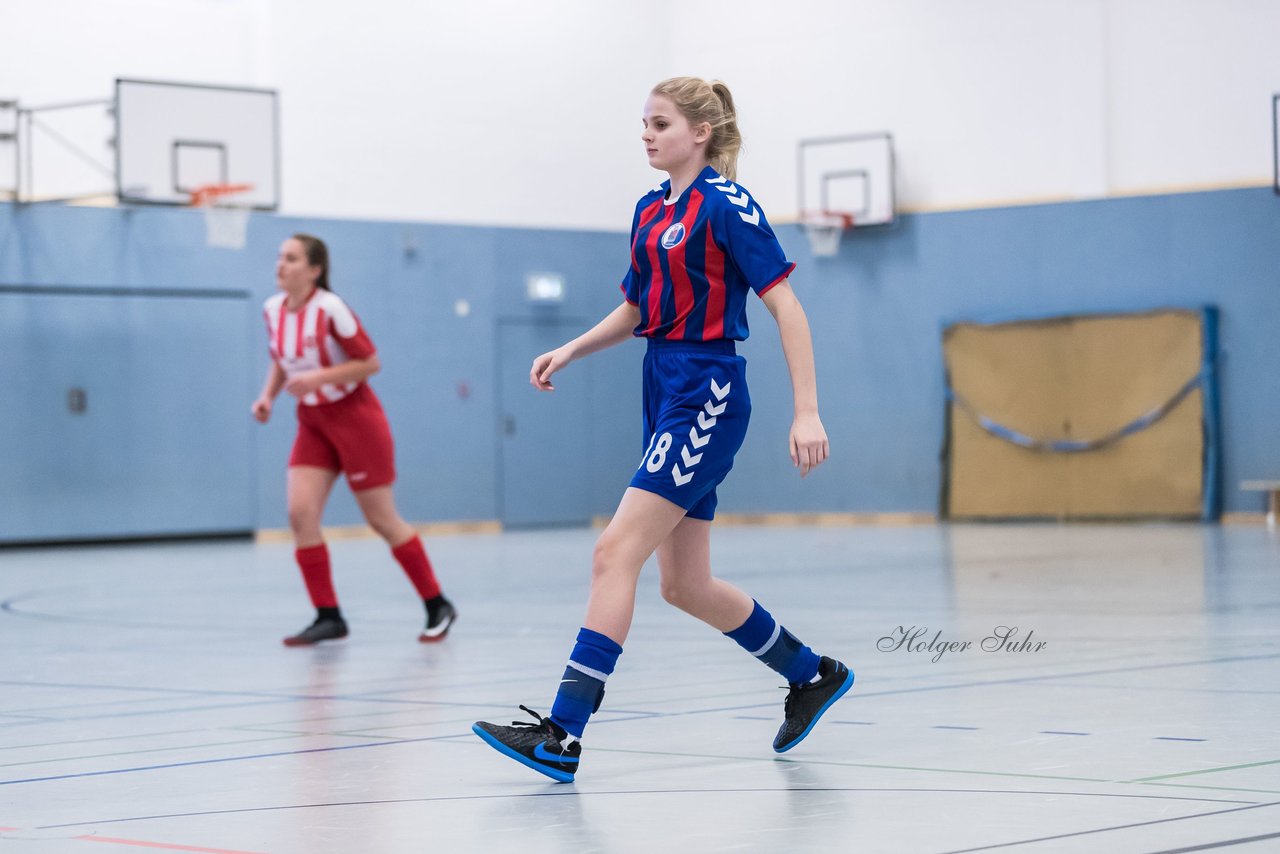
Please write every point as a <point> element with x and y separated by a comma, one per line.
<point>672,236</point>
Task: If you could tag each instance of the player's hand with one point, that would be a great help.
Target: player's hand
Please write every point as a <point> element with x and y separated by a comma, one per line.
<point>546,365</point>
<point>301,385</point>
<point>809,446</point>
<point>261,410</point>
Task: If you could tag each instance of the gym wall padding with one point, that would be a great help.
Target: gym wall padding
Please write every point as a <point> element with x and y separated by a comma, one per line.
<point>1081,417</point>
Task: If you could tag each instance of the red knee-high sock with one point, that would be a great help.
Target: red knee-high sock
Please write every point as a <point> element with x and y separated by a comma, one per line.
<point>314,563</point>
<point>413,557</point>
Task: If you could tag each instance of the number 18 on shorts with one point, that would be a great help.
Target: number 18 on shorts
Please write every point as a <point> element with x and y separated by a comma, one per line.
<point>696,409</point>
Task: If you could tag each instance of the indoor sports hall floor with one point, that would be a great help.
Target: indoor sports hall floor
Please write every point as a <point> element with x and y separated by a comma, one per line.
<point>147,703</point>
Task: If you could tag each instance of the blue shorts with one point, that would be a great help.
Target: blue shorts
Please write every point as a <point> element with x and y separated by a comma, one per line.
<point>696,409</point>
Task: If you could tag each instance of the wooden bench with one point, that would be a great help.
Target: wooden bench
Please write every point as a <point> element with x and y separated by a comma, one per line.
<point>1272,488</point>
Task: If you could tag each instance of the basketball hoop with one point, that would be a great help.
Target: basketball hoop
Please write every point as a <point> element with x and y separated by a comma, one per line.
<point>226,220</point>
<point>824,231</point>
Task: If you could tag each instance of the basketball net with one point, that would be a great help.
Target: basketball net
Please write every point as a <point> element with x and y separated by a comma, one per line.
<point>226,218</point>
<point>824,231</point>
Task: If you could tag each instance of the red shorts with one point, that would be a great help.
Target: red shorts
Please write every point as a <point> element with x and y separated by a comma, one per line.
<point>349,435</point>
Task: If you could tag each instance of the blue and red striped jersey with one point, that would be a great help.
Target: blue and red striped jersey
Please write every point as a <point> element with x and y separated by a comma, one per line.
<point>694,260</point>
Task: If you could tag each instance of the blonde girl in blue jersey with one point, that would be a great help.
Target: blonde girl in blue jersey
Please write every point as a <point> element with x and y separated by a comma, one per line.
<point>700,245</point>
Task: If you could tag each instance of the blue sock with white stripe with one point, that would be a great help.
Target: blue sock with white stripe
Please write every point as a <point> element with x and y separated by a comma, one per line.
<point>761,636</point>
<point>582,688</point>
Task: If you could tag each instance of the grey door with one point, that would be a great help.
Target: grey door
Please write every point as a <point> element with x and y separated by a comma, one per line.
<point>543,437</point>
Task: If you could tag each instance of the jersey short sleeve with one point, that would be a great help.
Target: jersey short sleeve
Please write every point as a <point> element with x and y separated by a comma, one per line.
<point>631,281</point>
<point>753,248</point>
<point>631,285</point>
<point>352,338</point>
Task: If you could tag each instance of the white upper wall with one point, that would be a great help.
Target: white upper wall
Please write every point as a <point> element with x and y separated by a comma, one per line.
<point>1190,92</point>
<point>506,112</point>
<point>488,112</point>
<point>994,101</point>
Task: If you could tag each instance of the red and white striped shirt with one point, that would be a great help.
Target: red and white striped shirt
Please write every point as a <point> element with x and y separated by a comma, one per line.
<point>324,332</point>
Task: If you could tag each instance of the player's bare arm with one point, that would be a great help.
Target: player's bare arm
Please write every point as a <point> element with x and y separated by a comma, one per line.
<point>348,372</point>
<point>809,446</point>
<point>615,328</point>
<point>271,386</point>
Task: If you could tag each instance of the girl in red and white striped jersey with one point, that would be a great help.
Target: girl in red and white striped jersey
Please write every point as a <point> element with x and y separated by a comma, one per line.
<point>321,355</point>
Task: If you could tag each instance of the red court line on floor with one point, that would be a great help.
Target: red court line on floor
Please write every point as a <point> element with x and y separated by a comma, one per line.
<point>167,846</point>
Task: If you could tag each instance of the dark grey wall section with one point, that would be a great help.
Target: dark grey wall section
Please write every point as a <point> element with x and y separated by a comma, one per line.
<point>876,311</point>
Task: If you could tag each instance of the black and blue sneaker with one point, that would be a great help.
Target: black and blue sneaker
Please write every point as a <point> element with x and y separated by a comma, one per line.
<point>806,703</point>
<point>540,746</point>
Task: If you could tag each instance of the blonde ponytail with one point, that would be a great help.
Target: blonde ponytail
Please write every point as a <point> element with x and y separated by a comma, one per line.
<point>701,101</point>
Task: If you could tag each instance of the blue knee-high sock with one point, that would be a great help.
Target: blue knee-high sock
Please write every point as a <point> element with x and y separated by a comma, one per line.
<point>582,687</point>
<point>768,641</point>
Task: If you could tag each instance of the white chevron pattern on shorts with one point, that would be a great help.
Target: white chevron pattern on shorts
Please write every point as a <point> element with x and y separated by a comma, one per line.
<point>706,420</point>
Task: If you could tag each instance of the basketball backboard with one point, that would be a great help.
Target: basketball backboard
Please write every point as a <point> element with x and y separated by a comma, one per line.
<point>173,138</point>
<point>849,174</point>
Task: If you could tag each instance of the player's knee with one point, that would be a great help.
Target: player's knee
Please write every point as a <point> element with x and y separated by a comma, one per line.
<point>384,526</point>
<point>601,559</point>
<point>303,518</point>
<point>607,558</point>
<point>681,592</point>
<point>674,592</point>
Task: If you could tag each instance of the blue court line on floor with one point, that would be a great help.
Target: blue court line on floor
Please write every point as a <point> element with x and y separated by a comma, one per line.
<point>1113,828</point>
<point>944,726</point>
<point>1178,689</point>
<point>269,698</point>
<point>204,692</point>
<point>371,697</point>
<point>978,684</point>
<point>1060,732</point>
<point>1175,738</point>
<point>552,791</point>
<point>1225,843</point>
<point>98,738</point>
<point>219,760</point>
<point>6,607</point>
<point>1022,680</point>
<point>177,747</point>
<point>167,711</point>
<point>35,711</point>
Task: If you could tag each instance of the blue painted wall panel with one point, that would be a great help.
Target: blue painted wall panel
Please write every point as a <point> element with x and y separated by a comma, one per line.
<point>876,310</point>
<point>157,450</point>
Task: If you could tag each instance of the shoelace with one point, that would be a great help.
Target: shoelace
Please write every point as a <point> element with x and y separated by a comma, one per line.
<point>541,721</point>
<point>793,691</point>
<point>544,725</point>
